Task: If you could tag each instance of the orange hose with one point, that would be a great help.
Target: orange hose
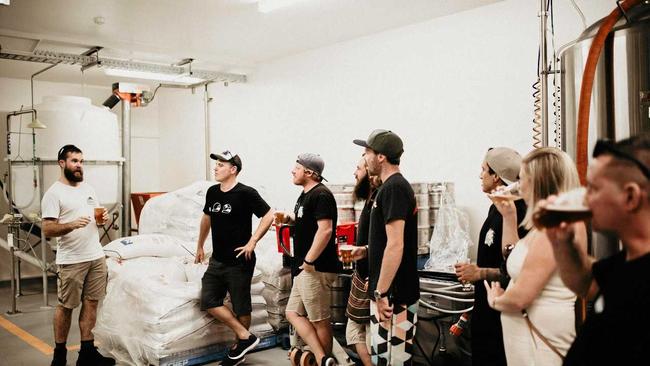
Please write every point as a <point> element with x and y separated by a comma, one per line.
<point>588,83</point>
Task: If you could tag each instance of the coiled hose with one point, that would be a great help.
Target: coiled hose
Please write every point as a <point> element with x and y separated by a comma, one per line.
<point>557,112</point>
<point>537,112</point>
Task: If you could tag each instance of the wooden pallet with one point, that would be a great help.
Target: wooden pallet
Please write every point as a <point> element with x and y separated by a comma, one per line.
<point>211,353</point>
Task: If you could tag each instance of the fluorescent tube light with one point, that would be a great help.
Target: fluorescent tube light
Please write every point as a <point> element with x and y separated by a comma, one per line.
<point>267,6</point>
<point>175,78</point>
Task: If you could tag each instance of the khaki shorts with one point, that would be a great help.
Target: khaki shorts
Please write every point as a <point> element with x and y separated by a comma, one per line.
<point>310,295</point>
<point>85,280</point>
<point>355,333</point>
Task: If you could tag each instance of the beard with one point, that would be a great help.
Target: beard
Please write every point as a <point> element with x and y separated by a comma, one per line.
<point>72,177</point>
<point>362,189</point>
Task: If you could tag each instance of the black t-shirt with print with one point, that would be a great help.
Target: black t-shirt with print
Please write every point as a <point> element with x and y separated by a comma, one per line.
<point>487,337</point>
<point>317,204</point>
<point>231,216</point>
<point>395,201</point>
<point>363,230</point>
<point>617,334</point>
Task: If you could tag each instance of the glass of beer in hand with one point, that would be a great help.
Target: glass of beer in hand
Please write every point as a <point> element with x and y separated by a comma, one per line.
<point>279,217</point>
<point>345,254</point>
<point>99,215</point>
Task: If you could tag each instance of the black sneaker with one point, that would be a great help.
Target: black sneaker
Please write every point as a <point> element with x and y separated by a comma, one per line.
<point>328,361</point>
<point>229,362</point>
<point>243,346</point>
<point>58,361</point>
<point>94,358</point>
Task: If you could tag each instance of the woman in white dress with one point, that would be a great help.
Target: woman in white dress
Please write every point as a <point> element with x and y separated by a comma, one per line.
<point>536,287</point>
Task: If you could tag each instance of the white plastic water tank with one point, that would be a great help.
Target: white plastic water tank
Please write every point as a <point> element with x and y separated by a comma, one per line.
<point>69,120</point>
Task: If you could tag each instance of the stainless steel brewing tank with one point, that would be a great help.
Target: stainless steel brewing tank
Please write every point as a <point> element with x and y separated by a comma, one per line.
<point>620,104</point>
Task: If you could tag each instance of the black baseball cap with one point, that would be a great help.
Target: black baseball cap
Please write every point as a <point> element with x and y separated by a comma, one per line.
<point>383,142</point>
<point>228,157</point>
<point>63,152</point>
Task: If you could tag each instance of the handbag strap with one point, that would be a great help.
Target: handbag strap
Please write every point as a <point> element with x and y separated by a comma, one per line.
<point>536,331</point>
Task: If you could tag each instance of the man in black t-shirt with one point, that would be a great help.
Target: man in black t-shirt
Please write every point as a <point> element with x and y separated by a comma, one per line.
<point>394,284</point>
<point>229,207</point>
<point>358,309</point>
<point>499,168</point>
<point>618,195</point>
<point>315,262</point>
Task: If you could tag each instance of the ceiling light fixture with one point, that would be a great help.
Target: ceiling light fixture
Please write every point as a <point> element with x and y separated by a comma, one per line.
<point>147,75</point>
<point>267,6</point>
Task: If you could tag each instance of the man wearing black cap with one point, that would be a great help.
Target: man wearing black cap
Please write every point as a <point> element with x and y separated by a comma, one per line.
<point>315,263</point>
<point>229,207</point>
<point>392,253</point>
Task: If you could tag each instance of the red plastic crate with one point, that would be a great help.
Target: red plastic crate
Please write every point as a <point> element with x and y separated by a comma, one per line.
<point>283,237</point>
<point>347,231</point>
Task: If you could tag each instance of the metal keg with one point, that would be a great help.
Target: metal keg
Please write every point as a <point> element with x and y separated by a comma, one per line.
<point>344,202</point>
<point>435,198</point>
<point>339,293</point>
<point>423,203</point>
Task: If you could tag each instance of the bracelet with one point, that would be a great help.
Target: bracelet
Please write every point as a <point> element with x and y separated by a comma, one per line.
<point>308,262</point>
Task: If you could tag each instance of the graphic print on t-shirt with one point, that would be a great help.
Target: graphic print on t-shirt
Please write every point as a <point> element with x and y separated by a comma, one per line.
<point>230,219</point>
<point>226,208</point>
<point>215,208</point>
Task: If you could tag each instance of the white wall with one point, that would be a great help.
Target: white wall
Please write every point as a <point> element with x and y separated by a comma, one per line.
<point>451,87</point>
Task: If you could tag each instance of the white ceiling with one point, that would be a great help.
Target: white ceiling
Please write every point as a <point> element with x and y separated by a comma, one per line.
<point>224,35</point>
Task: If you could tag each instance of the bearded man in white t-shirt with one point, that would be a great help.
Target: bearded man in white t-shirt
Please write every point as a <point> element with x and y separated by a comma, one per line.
<point>68,215</point>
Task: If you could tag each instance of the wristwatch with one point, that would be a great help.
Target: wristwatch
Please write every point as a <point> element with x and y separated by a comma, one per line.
<point>378,295</point>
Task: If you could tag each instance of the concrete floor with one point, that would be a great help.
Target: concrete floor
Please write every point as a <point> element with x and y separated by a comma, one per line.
<point>33,344</point>
<point>34,324</point>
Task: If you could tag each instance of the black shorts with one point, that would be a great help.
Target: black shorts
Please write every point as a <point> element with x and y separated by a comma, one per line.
<point>234,279</point>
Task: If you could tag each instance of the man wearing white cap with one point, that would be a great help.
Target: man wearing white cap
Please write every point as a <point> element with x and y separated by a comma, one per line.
<point>315,262</point>
<point>499,168</point>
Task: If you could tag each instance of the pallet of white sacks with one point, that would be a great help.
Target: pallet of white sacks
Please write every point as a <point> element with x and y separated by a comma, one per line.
<point>211,353</point>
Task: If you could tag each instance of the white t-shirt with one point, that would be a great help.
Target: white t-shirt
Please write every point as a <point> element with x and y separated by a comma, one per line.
<point>67,203</point>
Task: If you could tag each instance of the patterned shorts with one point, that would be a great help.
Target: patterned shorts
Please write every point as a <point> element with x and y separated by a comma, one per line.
<point>392,340</point>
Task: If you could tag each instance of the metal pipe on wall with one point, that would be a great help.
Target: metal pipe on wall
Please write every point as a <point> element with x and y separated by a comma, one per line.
<point>43,241</point>
<point>206,106</point>
<point>126,168</point>
<point>543,70</point>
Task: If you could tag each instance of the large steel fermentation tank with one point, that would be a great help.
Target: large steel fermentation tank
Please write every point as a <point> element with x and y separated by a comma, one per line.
<point>620,104</point>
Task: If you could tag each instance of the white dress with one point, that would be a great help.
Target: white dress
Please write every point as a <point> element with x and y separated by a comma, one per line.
<point>552,313</point>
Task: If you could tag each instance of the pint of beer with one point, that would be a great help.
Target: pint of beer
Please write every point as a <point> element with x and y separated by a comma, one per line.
<point>99,215</point>
<point>279,217</point>
<point>551,216</point>
<point>567,207</point>
<point>346,255</point>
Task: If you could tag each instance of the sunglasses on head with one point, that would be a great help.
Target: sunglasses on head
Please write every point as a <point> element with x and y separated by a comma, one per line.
<point>608,147</point>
